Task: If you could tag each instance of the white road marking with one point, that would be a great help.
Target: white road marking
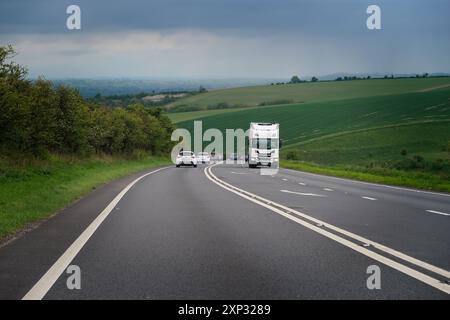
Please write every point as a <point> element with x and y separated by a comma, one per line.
<point>44,284</point>
<point>328,189</point>
<point>303,193</point>
<point>238,172</point>
<point>438,212</point>
<point>372,184</point>
<point>369,198</point>
<point>365,251</point>
<point>302,183</point>
<point>284,179</point>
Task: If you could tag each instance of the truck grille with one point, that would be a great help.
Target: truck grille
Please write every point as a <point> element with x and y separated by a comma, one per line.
<point>264,157</point>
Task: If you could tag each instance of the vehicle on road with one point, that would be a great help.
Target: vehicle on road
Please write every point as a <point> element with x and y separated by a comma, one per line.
<point>264,144</point>
<point>186,158</point>
<point>233,156</point>
<point>203,157</point>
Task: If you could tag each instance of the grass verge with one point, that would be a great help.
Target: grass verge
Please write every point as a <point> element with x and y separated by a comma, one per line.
<point>33,191</point>
<point>417,180</point>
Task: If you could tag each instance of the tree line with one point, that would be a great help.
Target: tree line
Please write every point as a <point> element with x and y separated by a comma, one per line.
<point>37,118</point>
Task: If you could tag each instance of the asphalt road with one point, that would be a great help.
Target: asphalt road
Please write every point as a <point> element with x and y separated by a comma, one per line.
<point>179,234</point>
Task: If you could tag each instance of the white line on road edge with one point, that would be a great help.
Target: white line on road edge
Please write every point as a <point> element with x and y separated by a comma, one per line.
<point>438,212</point>
<point>363,250</point>
<point>303,194</point>
<point>371,183</point>
<point>41,288</point>
<point>369,198</point>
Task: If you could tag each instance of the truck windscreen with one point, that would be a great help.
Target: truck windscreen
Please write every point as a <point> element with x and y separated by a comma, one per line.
<point>262,143</point>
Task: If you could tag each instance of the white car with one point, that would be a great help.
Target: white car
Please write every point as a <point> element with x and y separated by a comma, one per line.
<point>203,157</point>
<point>186,158</point>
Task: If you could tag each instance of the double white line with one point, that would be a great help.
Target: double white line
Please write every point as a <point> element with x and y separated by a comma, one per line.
<point>351,240</point>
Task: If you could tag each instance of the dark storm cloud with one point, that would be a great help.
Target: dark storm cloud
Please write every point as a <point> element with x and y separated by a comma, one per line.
<point>317,16</point>
<point>227,37</point>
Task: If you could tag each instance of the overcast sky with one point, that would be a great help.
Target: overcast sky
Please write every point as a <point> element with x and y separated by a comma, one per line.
<point>226,38</point>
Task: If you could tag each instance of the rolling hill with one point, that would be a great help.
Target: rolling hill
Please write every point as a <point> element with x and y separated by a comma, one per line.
<point>304,93</point>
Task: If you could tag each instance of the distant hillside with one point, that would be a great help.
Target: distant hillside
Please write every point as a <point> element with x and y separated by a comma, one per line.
<point>109,87</point>
<point>303,93</point>
<point>306,122</point>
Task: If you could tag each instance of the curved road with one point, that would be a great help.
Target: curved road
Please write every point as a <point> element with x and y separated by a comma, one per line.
<point>188,233</point>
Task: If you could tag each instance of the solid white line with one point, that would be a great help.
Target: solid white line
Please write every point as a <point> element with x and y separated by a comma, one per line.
<point>303,194</point>
<point>361,249</point>
<point>41,288</point>
<point>369,198</point>
<point>370,183</point>
<point>438,212</point>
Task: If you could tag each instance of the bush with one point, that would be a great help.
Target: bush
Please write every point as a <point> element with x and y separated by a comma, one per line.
<point>220,105</point>
<point>184,108</point>
<point>418,158</point>
<point>275,102</point>
<point>292,155</point>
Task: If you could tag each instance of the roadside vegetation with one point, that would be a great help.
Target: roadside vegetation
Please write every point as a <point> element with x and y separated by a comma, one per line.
<point>37,119</point>
<point>55,146</point>
<point>413,179</point>
<point>416,155</point>
<point>34,190</point>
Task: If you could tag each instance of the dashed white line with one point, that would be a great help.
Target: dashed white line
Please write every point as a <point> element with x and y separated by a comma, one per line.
<point>302,183</point>
<point>303,193</point>
<point>369,198</point>
<point>439,212</point>
<point>284,179</point>
<point>328,189</point>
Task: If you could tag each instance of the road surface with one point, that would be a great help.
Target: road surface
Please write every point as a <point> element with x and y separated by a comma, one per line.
<point>227,232</point>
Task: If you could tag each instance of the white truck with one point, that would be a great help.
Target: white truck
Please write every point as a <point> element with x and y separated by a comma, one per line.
<point>263,144</point>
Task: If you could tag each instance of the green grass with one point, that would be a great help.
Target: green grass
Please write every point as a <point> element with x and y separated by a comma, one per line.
<point>378,146</point>
<point>177,117</point>
<point>309,92</point>
<point>417,180</point>
<point>33,191</point>
<point>416,155</point>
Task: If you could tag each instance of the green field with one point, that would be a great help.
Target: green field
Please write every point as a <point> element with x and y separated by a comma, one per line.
<point>33,191</point>
<point>381,145</point>
<point>308,121</point>
<point>190,115</point>
<point>308,92</point>
<point>381,135</point>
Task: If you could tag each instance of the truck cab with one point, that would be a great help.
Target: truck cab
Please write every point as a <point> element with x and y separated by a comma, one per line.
<point>264,144</point>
